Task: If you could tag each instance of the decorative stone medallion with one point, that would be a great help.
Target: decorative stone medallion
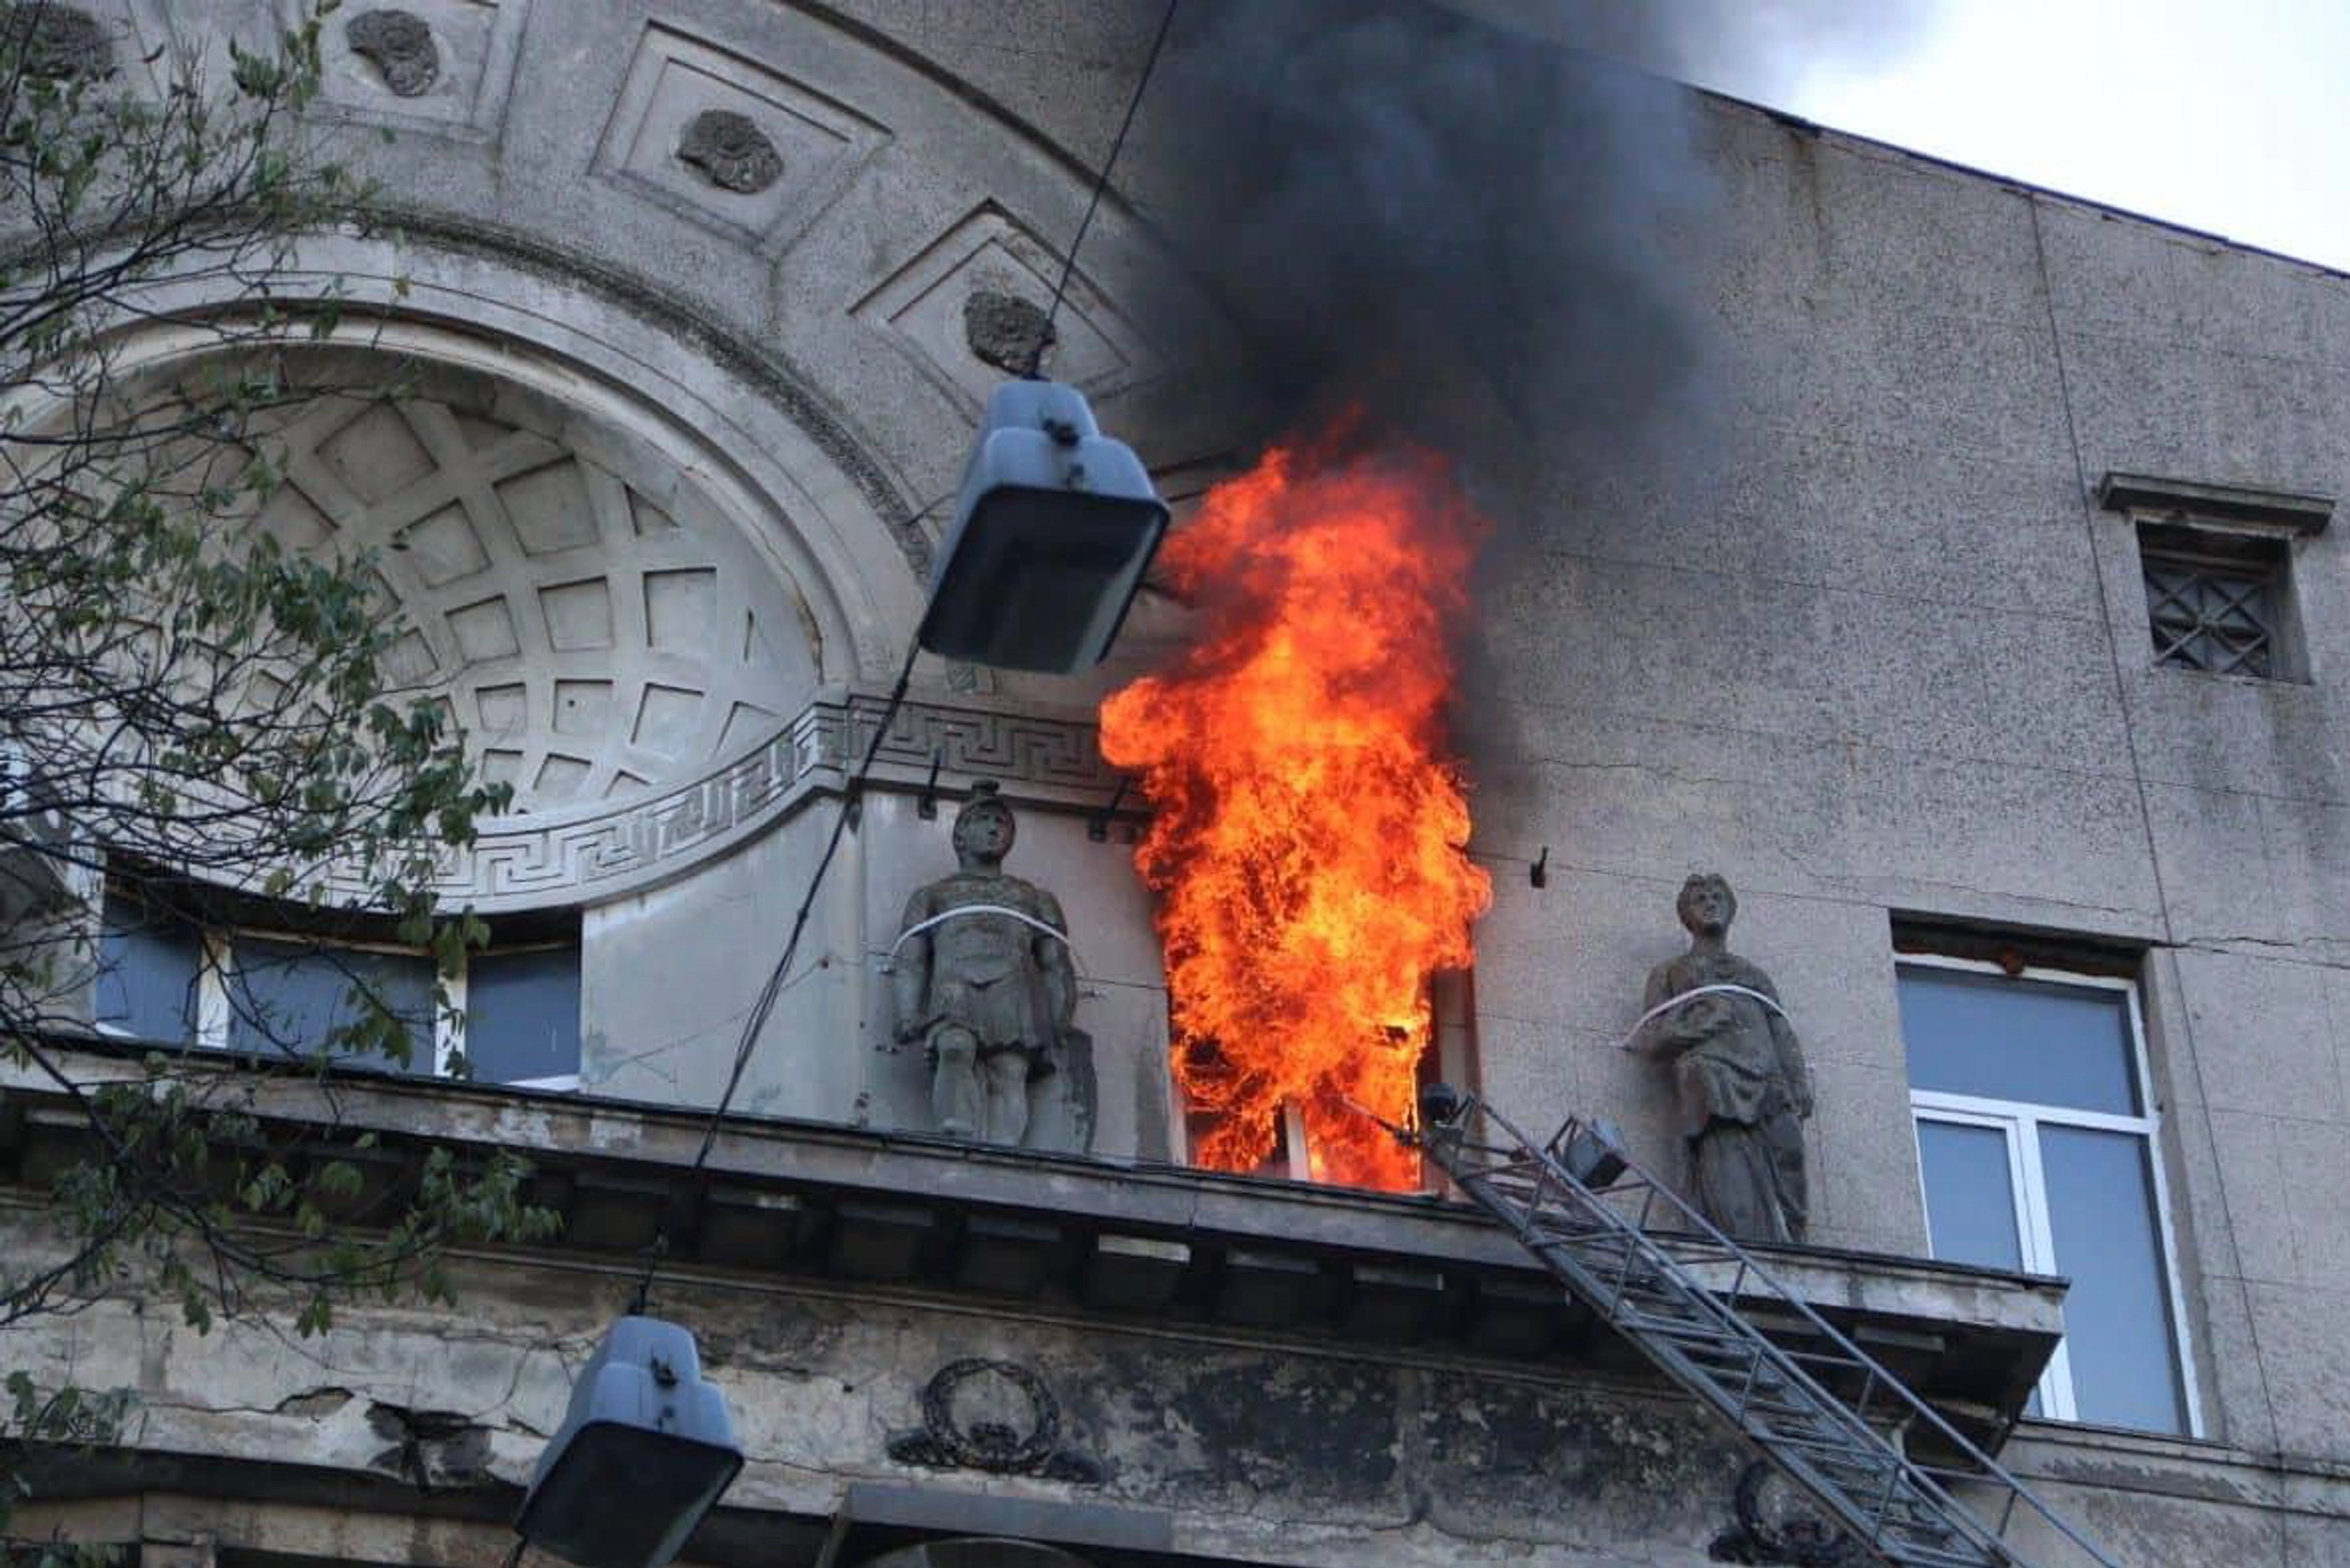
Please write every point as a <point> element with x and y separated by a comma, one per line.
<point>433,1450</point>
<point>732,142</point>
<point>1007,331</point>
<point>57,41</point>
<point>996,1417</point>
<point>399,46</point>
<point>963,309</point>
<point>730,151</point>
<point>1777,1524</point>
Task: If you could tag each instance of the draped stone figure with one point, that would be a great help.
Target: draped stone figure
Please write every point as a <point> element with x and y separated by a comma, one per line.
<point>982,977</point>
<point>1739,1074</point>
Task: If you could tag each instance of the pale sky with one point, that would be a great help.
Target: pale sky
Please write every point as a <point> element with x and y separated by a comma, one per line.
<point>2230,116</point>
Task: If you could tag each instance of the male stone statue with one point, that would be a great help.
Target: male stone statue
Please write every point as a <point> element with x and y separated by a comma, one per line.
<point>1742,1084</point>
<point>982,977</point>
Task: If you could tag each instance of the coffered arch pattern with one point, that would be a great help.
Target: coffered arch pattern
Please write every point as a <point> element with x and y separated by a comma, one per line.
<point>597,635</point>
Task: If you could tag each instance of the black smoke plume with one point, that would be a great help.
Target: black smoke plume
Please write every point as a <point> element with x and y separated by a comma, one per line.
<point>1456,225</point>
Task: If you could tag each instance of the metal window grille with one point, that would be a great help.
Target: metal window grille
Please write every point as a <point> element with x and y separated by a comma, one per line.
<point>2215,605</point>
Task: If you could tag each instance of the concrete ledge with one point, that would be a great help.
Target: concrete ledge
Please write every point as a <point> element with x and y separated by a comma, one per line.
<point>1113,1239</point>
<point>2279,509</point>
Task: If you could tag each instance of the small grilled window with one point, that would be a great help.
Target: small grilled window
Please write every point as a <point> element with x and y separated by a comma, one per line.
<point>2217,601</point>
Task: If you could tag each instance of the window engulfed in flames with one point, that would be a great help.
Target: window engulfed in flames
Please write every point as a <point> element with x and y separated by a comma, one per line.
<point>1308,849</point>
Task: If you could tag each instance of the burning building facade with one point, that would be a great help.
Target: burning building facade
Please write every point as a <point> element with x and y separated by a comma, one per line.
<point>1943,563</point>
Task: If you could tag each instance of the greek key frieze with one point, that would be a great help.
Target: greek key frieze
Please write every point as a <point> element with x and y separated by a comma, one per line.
<point>521,862</point>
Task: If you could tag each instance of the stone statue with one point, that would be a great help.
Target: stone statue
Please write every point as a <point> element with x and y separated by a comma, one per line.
<point>982,977</point>
<point>1743,1088</point>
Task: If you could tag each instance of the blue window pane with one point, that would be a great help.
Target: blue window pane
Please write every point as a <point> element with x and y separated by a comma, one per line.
<point>147,969</point>
<point>286,998</point>
<point>522,1015</point>
<point>1970,1195</point>
<point>2118,1332</point>
<point>2012,1039</point>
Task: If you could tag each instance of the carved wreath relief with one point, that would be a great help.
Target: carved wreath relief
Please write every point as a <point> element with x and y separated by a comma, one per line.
<point>399,46</point>
<point>992,1415</point>
<point>730,151</point>
<point>1776,1525</point>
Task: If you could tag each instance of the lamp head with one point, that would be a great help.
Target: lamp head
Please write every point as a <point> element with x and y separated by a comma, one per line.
<point>1053,529</point>
<point>1594,1155</point>
<point>643,1452</point>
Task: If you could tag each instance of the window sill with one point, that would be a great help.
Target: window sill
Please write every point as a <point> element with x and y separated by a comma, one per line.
<point>2155,1462</point>
<point>2255,682</point>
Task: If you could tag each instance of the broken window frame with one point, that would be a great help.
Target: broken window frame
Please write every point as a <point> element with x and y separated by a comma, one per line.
<point>1449,1057</point>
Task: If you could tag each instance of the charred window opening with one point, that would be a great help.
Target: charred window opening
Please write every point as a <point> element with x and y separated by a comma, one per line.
<point>1448,1054</point>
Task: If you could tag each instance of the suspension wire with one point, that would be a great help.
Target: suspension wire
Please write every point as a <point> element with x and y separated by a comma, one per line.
<point>1720,989</point>
<point>758,1017</point>
<point>1101,183</point>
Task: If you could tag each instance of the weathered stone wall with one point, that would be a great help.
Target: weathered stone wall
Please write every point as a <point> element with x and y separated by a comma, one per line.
<point>1875,650</point>
<point>1867,646</point>
<point>1267,1452</point>
<point>1257,1449</point>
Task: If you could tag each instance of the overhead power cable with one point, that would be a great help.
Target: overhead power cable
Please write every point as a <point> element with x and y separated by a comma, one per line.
<point>765,1007</point>
<point>756,1020</point>
<point>1101,183</point>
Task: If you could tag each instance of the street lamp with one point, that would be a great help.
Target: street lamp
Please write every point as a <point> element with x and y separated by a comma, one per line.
<point>642,1455</point>
<point>1053,529</point>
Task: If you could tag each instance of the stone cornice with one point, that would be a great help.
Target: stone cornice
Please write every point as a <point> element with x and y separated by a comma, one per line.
<point>1078,1236</point>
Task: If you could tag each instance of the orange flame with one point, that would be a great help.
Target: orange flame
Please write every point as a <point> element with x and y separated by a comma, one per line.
<point>1308,848</point>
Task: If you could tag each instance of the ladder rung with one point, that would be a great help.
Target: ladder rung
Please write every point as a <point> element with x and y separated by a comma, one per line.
<point>1796,1423</point>
<point>1916,1523</point>
<point>1859,1478</point>
<point>1802,1408</point>
<point>1693,1328</point>
<point>1849,1463</point>
<point>1730,1374</point>
<point>1774,1410</point>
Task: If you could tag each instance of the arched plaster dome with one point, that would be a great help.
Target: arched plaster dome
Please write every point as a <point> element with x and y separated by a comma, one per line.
<point>648,602</point>
<point>594,623</point>
<point>800,347</point>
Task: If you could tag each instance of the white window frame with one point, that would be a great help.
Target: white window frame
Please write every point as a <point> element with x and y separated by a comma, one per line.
<point>2020,1123</point>
<point>214,1008</point>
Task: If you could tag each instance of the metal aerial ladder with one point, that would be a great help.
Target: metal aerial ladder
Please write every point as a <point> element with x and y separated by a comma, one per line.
<point>1684,1294</point>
